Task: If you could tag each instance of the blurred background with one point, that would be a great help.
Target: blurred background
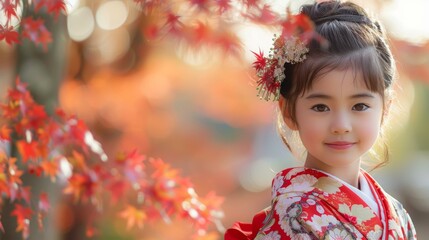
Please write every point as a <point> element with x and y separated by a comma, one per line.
<point>192,100</point>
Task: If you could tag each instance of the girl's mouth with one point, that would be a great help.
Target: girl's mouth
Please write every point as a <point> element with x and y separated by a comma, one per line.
<point>340,145</point>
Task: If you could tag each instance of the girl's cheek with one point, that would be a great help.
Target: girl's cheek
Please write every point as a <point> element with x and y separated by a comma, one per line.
<point>371,132</point>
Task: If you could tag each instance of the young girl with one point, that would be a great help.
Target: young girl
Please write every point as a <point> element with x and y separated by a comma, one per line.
<point>333,90</point>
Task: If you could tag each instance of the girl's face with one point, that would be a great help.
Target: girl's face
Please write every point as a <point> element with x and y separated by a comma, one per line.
<point>338,120</point>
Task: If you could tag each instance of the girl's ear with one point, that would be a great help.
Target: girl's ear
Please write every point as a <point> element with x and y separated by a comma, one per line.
<point>285,114</point>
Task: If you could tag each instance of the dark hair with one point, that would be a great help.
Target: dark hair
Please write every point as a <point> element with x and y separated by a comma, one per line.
<point>353,40</point>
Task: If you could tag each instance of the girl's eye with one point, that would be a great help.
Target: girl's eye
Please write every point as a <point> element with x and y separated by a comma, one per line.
<point>320,108</point>
<point>360,107</point>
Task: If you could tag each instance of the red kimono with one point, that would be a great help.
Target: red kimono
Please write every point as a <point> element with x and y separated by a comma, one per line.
<point>310,204</point>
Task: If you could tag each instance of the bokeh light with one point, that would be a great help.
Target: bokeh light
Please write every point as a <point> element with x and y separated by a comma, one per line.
<point>407,20</point>
<point>80,24</point>
<point>106,19</point>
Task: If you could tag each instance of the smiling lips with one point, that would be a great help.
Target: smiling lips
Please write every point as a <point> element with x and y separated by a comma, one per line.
<point>340,145</point>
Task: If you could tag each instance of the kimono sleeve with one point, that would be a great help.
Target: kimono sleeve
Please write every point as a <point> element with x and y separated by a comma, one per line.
<point>406,223</point>
<point>246,231</point>
<point>410,231</point>
<point>305,217</point>
<point>285,221</point>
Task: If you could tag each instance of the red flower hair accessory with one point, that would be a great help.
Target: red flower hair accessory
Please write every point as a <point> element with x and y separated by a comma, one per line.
<point>270,70</point>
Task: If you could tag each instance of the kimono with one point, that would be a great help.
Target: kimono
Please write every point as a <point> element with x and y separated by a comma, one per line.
<point>310,204</point>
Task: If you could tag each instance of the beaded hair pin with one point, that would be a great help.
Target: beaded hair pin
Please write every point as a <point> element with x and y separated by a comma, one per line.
<point>287,48</point>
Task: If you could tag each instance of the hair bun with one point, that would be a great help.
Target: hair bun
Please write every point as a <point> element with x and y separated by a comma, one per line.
<point>329,11</point>
<point>343,17</point>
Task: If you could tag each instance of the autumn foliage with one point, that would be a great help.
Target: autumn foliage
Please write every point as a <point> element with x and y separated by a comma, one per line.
<point>205,23</point>
<point>62,149</point>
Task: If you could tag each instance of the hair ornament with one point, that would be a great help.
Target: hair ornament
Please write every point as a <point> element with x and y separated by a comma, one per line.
<point>290,47</point>
<point>270,70</point>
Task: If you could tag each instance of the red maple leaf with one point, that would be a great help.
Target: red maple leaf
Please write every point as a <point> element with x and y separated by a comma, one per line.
<point>36,170</point>
<point>44,202</point>
<point>14,172</point>
<point>23,216</point>
<point>162,169</point>
<point>50,168</point>
<point>61,114</point>
<point>28,150</point>
<point>52,6</point>
<point>9,9</point>
<point>5,133</point>
<point>173,24</point>
<point>81,186</point>
<point>56,6</point>
<point>9,34</point>
<point>37,116</point>
<point>36,31</point>
<point>49,131</point>
<point>298,25</point>
<point>10,110</point>
<point>133,216</point>
<point>263,15</point>
<point>77,131</point>
<point>45,38</point>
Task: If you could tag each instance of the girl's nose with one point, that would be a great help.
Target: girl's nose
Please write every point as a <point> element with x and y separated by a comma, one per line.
<point>341,123</point>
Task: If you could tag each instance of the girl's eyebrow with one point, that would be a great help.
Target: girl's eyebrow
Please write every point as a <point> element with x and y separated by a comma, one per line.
<point>317,96</point>
<point>363,95</point>
<point>324,96</point>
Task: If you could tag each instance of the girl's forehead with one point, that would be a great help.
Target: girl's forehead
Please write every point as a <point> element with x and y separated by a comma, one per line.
<point>338,78</point>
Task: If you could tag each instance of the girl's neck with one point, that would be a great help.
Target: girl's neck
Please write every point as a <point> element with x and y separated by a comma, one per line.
<point>348,173</point>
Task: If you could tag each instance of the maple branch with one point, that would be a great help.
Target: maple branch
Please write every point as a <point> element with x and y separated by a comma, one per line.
<point>42,142</point>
